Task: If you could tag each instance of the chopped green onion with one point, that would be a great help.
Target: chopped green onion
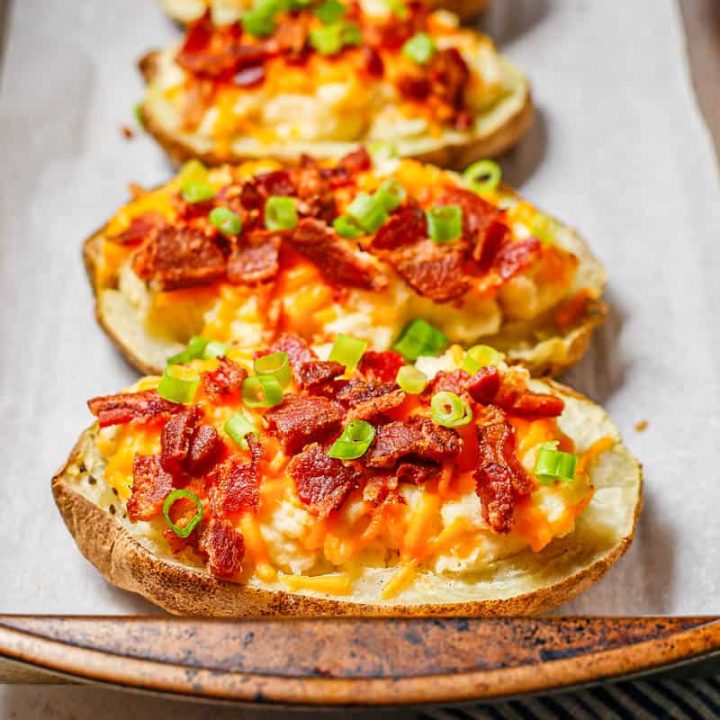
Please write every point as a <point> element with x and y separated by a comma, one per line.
<point>348,351</point>
<point>390,194</point>
<point>419,48</point>
<point>170,500</point>
<point>479,356</point>
<point>275,365</point>
<point>214,349</point>
<point>553,464</point>
<point>483,176</point>
<point>368,212</point>
<point>197,192</point>
<point>444,223</point>
<point>544,228</point>
<point>398,8</point>
<point>383,150</point>
<point>411,380</point>
<point>354,441</point>
<point>331,39</point>
<point>192,171</point>
<point>195,349</point>
<point>226,221</point>
<point>418,338</point>
<point>261,391</point>
<point>178,384</point>
<point>138,112</point>
<point>345,226</point>
<point>238,426</point>
<point>329,12</point>
<point>258,23</point>
<point>449,410</point>
<point>280,213</point>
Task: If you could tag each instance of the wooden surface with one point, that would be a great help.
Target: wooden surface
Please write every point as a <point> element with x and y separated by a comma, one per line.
<point>348,662</point>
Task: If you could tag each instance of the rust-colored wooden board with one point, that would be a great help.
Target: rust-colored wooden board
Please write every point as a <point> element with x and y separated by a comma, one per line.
<point>342,662</point>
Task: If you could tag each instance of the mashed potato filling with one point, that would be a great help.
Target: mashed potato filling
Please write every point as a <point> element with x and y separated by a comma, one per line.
<point>437,526</point>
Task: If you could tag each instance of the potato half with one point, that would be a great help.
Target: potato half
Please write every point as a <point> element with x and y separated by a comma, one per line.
<point>130,556</point>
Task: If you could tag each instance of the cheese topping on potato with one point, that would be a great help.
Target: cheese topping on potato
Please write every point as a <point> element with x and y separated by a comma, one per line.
<point>328,71</point>
<point>283,467</point>
<point>349,247</point>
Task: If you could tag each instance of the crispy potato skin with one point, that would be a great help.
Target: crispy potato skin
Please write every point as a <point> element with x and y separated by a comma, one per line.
<point>455,157</point>
<point>188,591</point>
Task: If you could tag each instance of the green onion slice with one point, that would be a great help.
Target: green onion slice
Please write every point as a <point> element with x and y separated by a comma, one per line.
<point>170,500</point>
<point>280,213</point>
<point>483,176</point>
<point>411,380</point>
<point>346,227</point>
<point>450,410</point>
<point>258,23</point>
<point>238,426</point>
<point>419,48</point>
<point>368,212</point>
<point>544,228</point>
<point>354,441</point>
<point>444,223</point>
<point>329,12</point>
<point>275,365</point>
<point>479,356</point>
<point>418,338</point>
<point>197,192</point>
<point>192,171</point>
<point>178,384</point>
<point>215,349</point>
<point>195,349</point>
<point>331,39</point>
<point>226,221</point>
<point>348,351</point>
<point>390,194</point>
<point>398,8</point>
<point>261,391</point>
<point>553,464</point>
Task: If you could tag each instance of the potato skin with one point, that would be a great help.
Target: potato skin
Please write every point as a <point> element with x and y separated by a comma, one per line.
<point>183,590</point>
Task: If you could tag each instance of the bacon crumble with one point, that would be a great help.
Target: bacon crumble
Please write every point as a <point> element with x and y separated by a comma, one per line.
<point>300,420</point>
<point>129,407</point>
<point>151,485</point>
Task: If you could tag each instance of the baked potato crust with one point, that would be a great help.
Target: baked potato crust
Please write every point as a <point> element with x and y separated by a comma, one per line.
<point>183,590</point>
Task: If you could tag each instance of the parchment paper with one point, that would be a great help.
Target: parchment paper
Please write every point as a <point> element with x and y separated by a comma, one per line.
<point>619,151</point>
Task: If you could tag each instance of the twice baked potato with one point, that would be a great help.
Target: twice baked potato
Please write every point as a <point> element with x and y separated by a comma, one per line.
<point>322,78</point>
<point>224,12</point>
<point>275,482</point>
<point>240,254</point>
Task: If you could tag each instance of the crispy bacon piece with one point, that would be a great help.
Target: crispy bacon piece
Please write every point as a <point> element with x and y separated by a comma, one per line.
<point>500,478</point>
<point>373,62</point>
<point>259,188</point>
<point>225,381</point>
<point>187,447</point>
<point>315,373</point>
<point>254,258</point>
<point>298,421</point>
<point>413,87</point>
<point>454,381</point>
<point>235,488</point>
<point>416,472</point>
<point>417,438</point>
<point>128,407</point>
<point>139,229</point>
<point>380,366</point>
<point>489,386</point>
<point>179,257</point>
<point>449,74</point>
<point>406,226</point>
<point>356,161</point>
<point>381,487</point>
<point>338,258</point>
<point>151,485</point>
<point>432,270</point>
<point>477,213</point>
<point>381,399</point>
<point>483,386</point>
<point>514,256</point>
<point>321,481</point>
<point>297,349</point>
<point>175,439</point>
<point>224,547</point>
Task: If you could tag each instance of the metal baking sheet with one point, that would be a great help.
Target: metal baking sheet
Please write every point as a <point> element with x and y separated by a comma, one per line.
<point>619,150</point>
